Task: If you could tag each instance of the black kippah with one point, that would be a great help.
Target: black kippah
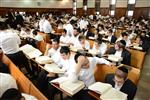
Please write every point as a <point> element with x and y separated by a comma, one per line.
<point>122,68</point>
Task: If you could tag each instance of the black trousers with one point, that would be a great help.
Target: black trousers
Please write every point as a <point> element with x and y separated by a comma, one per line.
<point>44,85</point>
<point>82,95</point>
<point>19,59</point>
<point>4,68</point>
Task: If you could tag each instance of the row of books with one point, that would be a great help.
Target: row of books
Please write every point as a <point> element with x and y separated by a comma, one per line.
<point>48,63</point>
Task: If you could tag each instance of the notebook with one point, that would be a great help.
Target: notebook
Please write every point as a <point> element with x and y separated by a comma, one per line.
<point>107,91</point>
<point>68,86</point>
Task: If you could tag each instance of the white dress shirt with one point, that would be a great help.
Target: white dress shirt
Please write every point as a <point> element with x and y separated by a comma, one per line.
<point>38,37</point>
<point>87,75</point>
<point>118,53</point>
<point>54,54</point>
<point>6,82</point>
<point>47,28</point>
<point>28,97</point>
<point>102,49</point>
<point>79,45</point>
<point>109,38</point>
<point>9,42</point>
<point>83,24</point>
<point>65,39</point>
<point>69,29</point>
<point>41,25</point>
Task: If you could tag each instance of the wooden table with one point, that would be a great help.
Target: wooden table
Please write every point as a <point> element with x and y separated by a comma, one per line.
<point>94,95</point>
<point>57,86</point>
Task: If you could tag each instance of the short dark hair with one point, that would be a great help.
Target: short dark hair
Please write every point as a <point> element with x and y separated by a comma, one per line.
<point>3,25</point>
<point>35,32</point>
<point>11,94</point>
<point>81,37</point>
<point>110,30</point>
<point>77,56</point>
<point>56,40</point>
<point>99,41</point>
<point>46,16</point>
<point>64,49</point>
<point>124,34</point>
<point>65,31</point>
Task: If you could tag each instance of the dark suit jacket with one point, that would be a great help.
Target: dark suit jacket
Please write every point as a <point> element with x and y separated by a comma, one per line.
<point>128,87</point>
<point>113,39</point>
<point>126,55</point>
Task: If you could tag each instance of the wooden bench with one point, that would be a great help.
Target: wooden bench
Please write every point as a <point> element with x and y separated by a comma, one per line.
<point>137,58</point>
<point>102,70</point>
<point>24,84</point>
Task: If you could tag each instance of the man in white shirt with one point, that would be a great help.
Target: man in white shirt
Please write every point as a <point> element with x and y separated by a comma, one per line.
<point>9,43</point>
<point>47,28</point>
<point>14,94</point>
<point>69,29</point>
<point>83,23</point>
<point>54,51</point>
<point>64,38</point>
<point>41,23</point>
<point>124,36</point>
<point>6,82</point>
<point>119,81</point>
<point>84,71</point>
<point>66,62</point>
<point>37,36</point>
<point>99,47</point>
<point>82,43</point>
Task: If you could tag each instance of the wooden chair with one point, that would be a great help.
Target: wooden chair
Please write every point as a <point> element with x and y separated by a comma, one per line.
<point>137,58</point>
<point>102,70</point>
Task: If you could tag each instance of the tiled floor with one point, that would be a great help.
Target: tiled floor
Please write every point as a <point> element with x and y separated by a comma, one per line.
<point>143,92</point>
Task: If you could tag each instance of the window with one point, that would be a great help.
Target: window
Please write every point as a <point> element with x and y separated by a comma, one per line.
<point>130,7</point>
<point>130,13</point>
<point>131,2</point>
<point>74,7</point>
<point>112,12</point>
<point>112,7</point>
<point>112,2</point>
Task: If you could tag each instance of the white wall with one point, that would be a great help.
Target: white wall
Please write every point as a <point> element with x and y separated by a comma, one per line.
<point>65,3</point>
<point>142,3</point>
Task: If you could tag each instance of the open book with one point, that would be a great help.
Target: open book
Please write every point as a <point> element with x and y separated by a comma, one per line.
<point>54,68</point>
<point>93,52</point>
<point>114,58</point>
<point>68,86</point>
<point>107,91</point>
<point>30,51</point>
<point>43,60</point>
<point>137,47</point>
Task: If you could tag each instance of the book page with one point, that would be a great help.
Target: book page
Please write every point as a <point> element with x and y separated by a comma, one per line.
<point>44,60</point>
<point>27,48</point>
<point>114,58</point>
<point>34,54</point>
<point>72,87</point>
<point>53,68</point>
<point>137,47</point>
<point>59,80</point>
<point>30,51</point>
<point>113,94</point>
<point>100,87</point>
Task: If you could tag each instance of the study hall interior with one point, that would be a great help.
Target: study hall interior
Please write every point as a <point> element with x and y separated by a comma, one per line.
<point>74,49</point>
